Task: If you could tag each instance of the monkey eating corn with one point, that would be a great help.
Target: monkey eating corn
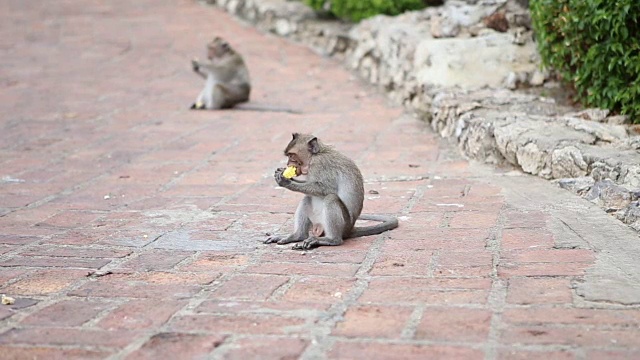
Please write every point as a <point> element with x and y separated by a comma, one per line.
<point>334,196</point>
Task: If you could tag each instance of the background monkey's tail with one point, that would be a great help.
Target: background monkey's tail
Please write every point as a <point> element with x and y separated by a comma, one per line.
<point>386,223</point>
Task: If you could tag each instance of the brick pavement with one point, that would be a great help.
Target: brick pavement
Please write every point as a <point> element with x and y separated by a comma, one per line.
<point>130,226</point>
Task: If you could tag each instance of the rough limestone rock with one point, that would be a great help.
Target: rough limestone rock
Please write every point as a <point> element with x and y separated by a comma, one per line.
<point>530,143</point>
<point>594,114</point>
<point>440,28</point>
<point>602,132</point>
<point>384,48</point>
<point>538,77</point>
<point>579,186</point>
<point>631,215</point>
<point>451,18</point>
<point>617,163</point>
<point>633,143</point>
<point>610,196</point>
<point>472,62</point>
<point>568,162</point>
<point>476,138</point>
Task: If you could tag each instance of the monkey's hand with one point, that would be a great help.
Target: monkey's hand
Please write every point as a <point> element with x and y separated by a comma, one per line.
<point>280,178</point>
<point>195,65</point>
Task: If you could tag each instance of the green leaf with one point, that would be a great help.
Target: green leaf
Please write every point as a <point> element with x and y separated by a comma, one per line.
<point>595,45</point>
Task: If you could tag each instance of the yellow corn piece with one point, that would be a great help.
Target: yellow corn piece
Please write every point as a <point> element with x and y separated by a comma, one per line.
<point>290,172</point>
<point>199,105</point>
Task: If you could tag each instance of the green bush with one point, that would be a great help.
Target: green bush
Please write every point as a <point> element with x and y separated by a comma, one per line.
<point>356,10</point>
<point>595,45</point>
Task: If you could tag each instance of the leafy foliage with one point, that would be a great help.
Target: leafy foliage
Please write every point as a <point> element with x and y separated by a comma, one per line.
<point>356,10</point>
<point>595,45</point>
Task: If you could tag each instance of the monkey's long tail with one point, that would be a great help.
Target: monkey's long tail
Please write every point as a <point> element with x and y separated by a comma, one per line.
<point>386,223</point>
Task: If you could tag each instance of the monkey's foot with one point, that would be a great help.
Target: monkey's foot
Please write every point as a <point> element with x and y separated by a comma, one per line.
<point>313,241</point>
<point>198,106</point>
<point>307,244</point>
<point>280,240</point>
<point>272,239</point>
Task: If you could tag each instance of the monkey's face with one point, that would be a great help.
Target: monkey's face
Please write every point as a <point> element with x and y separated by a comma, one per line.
<point>298,153</point>
<point>218,48</point>
<point>296,160</point>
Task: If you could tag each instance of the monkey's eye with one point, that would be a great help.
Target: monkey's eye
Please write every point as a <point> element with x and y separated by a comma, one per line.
<point>225,46</point>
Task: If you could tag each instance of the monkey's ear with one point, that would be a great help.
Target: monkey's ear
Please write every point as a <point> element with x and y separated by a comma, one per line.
<point>294,136</point>
<point>314,147</point>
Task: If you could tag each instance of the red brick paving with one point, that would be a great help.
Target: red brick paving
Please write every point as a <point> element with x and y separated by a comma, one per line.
<point>104,168</point>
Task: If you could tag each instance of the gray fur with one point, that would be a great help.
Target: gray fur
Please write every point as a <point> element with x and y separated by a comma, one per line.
<point>334,196</point>
<point>227,79</point>
<point>227,83</point>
